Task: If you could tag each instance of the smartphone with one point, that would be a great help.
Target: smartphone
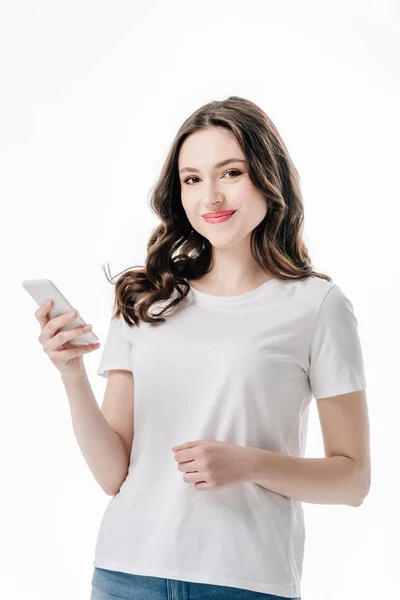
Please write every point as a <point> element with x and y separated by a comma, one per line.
<point>42,290</point>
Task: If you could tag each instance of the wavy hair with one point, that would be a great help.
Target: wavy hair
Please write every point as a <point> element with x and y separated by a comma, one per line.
<point>176,252</point>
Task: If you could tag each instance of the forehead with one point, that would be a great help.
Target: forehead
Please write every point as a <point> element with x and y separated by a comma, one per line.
<point>206,147</point>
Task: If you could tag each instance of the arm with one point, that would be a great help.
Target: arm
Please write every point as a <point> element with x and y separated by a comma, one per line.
<point>344,476</point>
<point>333,480</point>
<point>101,446</point>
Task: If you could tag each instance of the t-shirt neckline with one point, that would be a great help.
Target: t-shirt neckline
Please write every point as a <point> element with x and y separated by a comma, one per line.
<point>229,300</point>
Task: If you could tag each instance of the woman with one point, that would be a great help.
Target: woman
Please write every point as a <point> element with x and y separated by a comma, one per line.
<point>227,333</point>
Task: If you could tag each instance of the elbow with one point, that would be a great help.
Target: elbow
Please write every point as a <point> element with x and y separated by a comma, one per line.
<point>356,505</point>
<point>112,490</point>
<point>363,486</point>
<point>361,498</point>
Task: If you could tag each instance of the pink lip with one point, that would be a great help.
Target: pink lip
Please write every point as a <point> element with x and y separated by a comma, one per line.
<point>218,219</point>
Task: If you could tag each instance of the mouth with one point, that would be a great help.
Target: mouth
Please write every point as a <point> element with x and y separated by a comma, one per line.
<point>218,216</point>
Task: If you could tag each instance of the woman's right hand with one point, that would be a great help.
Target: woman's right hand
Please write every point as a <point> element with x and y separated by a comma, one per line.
<point>66,357</point>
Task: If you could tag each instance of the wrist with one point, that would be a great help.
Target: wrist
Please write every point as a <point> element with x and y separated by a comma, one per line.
<point>77,377</point>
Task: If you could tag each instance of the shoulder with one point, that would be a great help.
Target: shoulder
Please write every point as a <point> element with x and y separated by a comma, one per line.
<point>315,299</point>
<point>309,292</point>
<point>318,287</point>
<point>327,298</point>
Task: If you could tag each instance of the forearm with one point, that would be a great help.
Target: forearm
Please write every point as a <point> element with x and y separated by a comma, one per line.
<point>101,446</point>
<point>333,480</point>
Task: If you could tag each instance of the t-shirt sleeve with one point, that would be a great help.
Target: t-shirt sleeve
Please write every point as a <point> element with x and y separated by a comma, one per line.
<point>336,364</point>
<point>117,350</point>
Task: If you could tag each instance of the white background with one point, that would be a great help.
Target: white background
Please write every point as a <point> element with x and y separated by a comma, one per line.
<point>92,94</point>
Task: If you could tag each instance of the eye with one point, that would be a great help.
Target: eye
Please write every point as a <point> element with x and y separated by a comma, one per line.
<point>231,171</point>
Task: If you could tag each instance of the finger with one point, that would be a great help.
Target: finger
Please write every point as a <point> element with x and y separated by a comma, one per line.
<point>42,312</point>
<point>69,353</point>
<point>52,328</point>
<point>83,349</point>
<point>58,338</point>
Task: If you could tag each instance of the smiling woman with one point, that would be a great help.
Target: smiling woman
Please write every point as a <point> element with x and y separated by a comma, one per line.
<point>246,335</point>
<point>227,156</point>
<point>213,192</point>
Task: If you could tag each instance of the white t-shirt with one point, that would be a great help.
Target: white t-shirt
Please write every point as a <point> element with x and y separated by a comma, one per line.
<point>240,369</point>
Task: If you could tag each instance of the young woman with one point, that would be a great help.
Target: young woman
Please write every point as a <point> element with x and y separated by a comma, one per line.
<point>213,355</point>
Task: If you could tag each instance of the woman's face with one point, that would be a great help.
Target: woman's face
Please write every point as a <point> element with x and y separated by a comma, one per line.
<point>213,188</point>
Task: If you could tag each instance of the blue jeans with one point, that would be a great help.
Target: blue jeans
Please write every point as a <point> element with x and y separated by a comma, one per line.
<point>115,585</point>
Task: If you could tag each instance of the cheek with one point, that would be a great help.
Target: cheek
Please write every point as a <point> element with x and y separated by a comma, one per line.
<point>186,207</point>
<point>189,212</point>
<point>188,202</point>
<point>253,210</point>
<point>261,210</point>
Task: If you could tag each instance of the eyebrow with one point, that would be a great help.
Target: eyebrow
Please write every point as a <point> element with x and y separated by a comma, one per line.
<point>220,164</point>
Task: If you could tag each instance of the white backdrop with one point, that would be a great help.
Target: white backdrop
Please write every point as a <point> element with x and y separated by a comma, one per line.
<point>92,94</point>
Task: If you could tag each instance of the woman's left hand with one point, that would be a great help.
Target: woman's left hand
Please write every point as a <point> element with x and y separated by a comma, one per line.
<point>211,465</point>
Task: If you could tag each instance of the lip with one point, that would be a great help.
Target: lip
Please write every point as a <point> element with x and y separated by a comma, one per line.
<point>218,213</point>
<point>219,219</point>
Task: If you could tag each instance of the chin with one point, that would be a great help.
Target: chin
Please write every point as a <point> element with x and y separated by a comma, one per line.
<point>222,245</point>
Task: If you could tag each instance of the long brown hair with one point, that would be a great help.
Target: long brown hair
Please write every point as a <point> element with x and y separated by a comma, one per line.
<point>176,252</point>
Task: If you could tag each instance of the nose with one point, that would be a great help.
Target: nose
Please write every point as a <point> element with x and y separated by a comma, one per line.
<point>212,195</point>
<point>214,199</point>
